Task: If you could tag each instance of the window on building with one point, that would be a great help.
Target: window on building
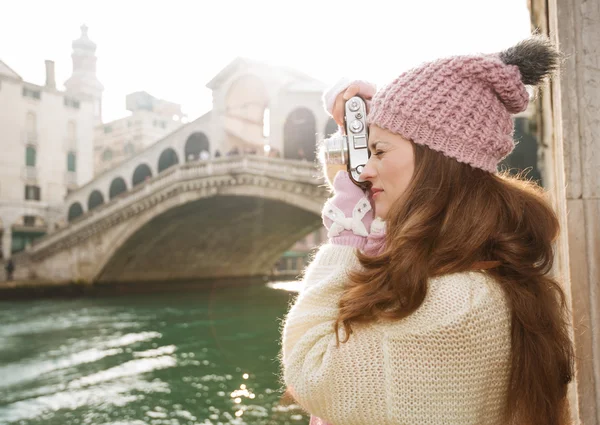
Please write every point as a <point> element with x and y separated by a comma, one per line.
<point>71,161</point>
<point>107,129</point>
<point>29,220</point>
<point>71,103</point>
<point>30,156</point>
<point>31,93</point>
<point>107,155</point>
<point>32,193</point>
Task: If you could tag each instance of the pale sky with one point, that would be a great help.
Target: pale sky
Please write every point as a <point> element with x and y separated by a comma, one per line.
<point>171,49</point>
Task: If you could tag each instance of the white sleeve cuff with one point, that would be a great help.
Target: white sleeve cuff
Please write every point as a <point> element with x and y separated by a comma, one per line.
<point>331,93</point>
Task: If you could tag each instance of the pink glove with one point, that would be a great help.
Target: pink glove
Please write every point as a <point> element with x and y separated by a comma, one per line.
<point>348,214</point>
<point>376,240</point>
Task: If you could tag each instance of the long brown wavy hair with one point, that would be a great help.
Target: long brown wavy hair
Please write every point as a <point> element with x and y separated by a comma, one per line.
<point>450,217</point>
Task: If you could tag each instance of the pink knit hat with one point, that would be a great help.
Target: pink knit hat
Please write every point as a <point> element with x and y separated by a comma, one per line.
<point>461,106</point>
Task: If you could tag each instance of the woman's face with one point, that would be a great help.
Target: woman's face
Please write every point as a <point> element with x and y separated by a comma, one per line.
<point>389,169</point>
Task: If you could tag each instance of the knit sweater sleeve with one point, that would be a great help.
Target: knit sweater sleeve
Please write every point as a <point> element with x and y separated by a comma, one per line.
<point>324,377</point>
<point>448,362</point>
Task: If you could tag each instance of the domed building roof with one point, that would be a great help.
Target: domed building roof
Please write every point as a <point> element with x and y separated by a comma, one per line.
<point>84,42</point>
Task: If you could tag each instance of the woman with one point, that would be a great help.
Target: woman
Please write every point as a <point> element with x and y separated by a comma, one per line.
<point>448,315</point>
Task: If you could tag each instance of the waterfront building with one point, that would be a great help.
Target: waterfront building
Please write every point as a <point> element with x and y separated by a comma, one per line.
<point>150,120</point>
<point>46,141</point>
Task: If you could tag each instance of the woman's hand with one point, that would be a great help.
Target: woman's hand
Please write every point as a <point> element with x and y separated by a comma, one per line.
<point>348,215</point>
<point>358,88</point>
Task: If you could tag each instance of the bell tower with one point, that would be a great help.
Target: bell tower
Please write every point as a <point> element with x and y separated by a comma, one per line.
<point>83,81</point>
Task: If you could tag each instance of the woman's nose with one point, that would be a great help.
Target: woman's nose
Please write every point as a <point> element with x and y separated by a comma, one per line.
<point>368,173</point>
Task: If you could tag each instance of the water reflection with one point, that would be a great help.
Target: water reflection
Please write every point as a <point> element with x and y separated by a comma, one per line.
<point>205,357</point>
<point>291,286</point>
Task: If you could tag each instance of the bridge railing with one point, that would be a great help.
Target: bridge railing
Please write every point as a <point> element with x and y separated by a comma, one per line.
<point>291,170</point>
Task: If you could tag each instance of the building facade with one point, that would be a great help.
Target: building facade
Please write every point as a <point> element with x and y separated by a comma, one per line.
<point>150,120</point>
<point>46,140</point>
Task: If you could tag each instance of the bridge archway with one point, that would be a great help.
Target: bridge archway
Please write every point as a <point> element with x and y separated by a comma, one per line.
<point>194,145</point>
<point>141,173</point>
<point>75,210</point>
<point>167,159</point>
<point>117,186</point>
<point>249,210</point>
<point>299,135</point>
<point>255,223</point>
<point>95,200</point>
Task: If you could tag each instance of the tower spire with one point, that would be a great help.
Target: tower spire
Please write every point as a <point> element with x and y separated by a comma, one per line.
<point>83,82</point>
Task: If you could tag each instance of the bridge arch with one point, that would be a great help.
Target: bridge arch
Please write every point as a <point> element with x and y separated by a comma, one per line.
<point>167,159</point>
<point>174,214</point>
<point>299,135</point>
<point>117,186</point>
<point>75,210</point>
<point>95,199</point>
<point>141,173</point>
<point>196,143</point>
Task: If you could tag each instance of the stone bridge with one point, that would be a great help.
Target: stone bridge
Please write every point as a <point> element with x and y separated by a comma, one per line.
<point>226,217</point>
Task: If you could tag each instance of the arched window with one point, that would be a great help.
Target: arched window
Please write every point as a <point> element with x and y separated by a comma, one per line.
<point>167,159</point>
<point>117,187</point>
<point>330,128</point>
<point>30,156</point>
<point>71,161</point>
<point>141,173</point>
<point>194,145</point>
<point>95,199</point>
<point>299,135</point>
<point>75,210</point>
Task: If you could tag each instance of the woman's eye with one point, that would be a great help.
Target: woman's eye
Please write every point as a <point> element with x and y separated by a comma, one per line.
<point>378,153</point>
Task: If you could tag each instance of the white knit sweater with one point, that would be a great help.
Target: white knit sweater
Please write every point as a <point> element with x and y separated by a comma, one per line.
<point>447,363</point>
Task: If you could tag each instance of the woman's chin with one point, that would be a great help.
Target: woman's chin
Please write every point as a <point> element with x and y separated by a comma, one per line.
<point>379,211</point>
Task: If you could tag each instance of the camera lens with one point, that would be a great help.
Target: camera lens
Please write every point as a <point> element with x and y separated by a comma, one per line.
<point>356,126</point>
<point>354,105</point>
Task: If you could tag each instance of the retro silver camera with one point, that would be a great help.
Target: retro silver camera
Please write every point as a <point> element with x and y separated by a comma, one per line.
<point>352,149</point>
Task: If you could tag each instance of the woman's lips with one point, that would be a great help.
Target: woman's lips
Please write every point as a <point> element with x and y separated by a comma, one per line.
<point>375,192</point>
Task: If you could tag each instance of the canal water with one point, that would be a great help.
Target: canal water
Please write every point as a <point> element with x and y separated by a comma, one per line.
<point>206,356</point>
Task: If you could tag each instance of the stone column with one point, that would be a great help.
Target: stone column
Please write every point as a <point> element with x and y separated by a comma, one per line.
<point>6,242</point>
<point>570,126</point>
